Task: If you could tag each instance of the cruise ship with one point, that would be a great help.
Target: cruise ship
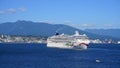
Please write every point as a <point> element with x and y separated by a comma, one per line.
<point>75,41</point>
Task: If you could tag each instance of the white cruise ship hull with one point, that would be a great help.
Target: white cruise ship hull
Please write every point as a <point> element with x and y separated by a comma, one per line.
<point>64,46</point>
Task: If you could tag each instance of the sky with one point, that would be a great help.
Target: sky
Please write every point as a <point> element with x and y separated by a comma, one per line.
<point>77,13</point>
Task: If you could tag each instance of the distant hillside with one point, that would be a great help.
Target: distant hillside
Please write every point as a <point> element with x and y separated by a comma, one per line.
<point>34,28</point>
<point>42,29</point>
<point>106,32</point>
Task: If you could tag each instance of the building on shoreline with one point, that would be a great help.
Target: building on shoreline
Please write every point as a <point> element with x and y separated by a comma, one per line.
<point>21,39</point>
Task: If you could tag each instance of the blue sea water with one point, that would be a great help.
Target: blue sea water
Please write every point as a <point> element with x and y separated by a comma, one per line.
<point>39,56</point>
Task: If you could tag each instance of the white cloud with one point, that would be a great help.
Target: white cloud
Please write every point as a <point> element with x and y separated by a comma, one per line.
<point>2,12</point>
<point>48,21</point>
<point>67,22</point>
<point>12,10</point>
<point>111,26</point>
<point>87,25</point>
<point>108,25</point>
<point>22,9</point>
<point>80,25</point>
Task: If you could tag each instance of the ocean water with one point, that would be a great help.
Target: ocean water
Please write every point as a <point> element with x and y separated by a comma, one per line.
<point>39,56</point>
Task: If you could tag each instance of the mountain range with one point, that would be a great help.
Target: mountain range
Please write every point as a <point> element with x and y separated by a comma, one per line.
<point>26,28</point>
<point>106,32</point>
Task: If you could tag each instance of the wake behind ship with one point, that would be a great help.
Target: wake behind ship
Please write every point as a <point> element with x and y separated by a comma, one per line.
<point>75,41</point>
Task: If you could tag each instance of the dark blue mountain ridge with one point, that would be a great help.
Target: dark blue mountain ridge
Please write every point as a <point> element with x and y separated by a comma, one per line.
<point>106,32</point>
<point>26,28</point>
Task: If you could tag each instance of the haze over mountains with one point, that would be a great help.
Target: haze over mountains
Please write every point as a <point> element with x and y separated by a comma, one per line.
<point>27,28</point>
<point>106,32</point>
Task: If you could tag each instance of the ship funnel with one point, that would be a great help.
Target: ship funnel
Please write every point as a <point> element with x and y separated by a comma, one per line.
<point>56,33</point>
